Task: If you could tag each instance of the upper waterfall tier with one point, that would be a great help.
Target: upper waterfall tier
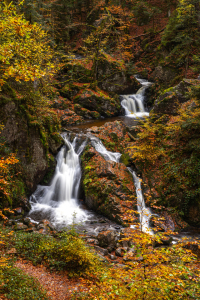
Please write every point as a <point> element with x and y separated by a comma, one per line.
<point>134,104</point>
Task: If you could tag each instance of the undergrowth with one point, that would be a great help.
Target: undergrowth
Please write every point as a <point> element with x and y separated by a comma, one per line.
<point>65,252</point>
<point>16,285</point>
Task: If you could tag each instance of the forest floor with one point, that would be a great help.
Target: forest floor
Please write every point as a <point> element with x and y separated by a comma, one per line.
<point>57,285</point>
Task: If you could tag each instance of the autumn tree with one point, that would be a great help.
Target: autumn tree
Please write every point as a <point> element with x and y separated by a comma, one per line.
<point>25,54</point>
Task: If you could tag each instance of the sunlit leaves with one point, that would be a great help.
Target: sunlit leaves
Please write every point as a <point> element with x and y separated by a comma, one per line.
<point>24,50</point>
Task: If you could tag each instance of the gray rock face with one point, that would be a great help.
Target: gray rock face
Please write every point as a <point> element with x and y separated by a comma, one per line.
<point>26,141</point>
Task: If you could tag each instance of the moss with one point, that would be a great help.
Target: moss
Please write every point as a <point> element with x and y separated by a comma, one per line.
<point>114,137</point>
<point>8,91</point>
<point>171,89</point>
<point>125,159</point>
<point>4,100</point>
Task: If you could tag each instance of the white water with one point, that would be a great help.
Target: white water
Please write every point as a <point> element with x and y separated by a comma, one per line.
<point>134,104</point>
<point>145,212</point>
<point>99,147</point>
<point>58,202</point>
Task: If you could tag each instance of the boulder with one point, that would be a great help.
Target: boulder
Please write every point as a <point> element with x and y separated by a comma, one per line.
<point>112,257</point>
<point>101,250</point>
<point>98,101</point>
<point>120,251</point>
<point>169,101</point>
<point>85,113</point>
<point>107,239</point>
<point>20,226</point>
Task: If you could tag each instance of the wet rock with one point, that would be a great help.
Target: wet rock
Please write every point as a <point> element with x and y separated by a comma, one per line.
<point>132,250</point>
<point>109,187</point>
<point>102,221</point>
<point>194,247</point>
<point>120,252</point>
<point>20,226</point>
<point>102,258</point>
<point>107,239</point>
<point>166,240</point>
<point>27,221</point>
<point>101,250</point>
<point>86,113</point>
<point>91,241</point>
<point>127,258</point>
<point>157,224</point>
<point>45,224</point>
<point>24,202</point>
<point>8,223</point>
<point>115,262</point>
<point>18,211</point>
<point>112,257</point>
<point>40,226</point>
<point>125,244</point>
<point>162,223</point>
<point>110,190</point>
<point>130,255</point>
<point>126,237</point>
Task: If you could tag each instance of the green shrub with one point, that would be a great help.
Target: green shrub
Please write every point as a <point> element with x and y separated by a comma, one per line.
<point>66,252</point>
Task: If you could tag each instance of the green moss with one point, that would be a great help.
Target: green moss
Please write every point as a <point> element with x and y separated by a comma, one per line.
<point>171,89</point>
<point>125,159</point>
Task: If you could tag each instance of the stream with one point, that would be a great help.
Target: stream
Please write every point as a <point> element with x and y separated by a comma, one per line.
<point>59,202</point>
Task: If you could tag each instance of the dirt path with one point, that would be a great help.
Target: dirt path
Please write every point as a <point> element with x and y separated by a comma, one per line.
<point>58,286</point>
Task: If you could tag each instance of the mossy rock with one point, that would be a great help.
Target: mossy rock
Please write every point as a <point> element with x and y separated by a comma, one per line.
<point>97,101</point>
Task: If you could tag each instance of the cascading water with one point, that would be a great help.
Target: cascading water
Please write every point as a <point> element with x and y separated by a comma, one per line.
<point>59,201</point>
<point>134,104</point>
<point>99,147</point>
<point>145,212</point>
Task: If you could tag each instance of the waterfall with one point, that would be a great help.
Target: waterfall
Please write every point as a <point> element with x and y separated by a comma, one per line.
<point>144,211</point>
<point>99,147</point>
<point>58,202</point>
<point>134,104</point>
